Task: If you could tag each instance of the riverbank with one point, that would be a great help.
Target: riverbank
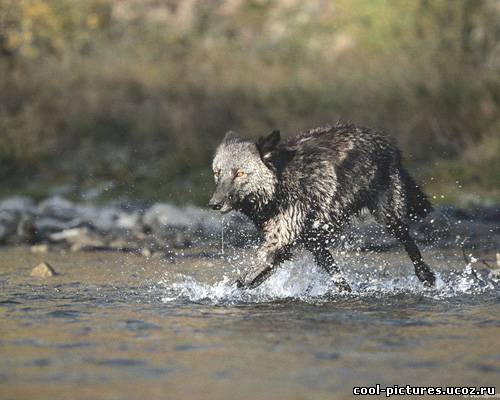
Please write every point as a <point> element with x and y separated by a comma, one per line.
<point>161,228</point>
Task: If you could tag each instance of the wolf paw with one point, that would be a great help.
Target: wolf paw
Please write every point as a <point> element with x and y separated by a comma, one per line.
<point>254,278</point>
<point>341,284</point>
<point>425,275</point>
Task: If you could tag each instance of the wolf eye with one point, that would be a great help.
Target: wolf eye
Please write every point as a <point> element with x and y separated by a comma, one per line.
<point>216,174</point>
<point>239,174</point>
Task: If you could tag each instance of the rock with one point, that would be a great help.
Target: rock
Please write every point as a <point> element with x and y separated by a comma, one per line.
<point>69,235</point>
<point>88,244</point>
<point>40,248</point>
<point>26,230</point>
<point>135,225</point>
<point>123,245</point>
<point>108,219</point>
<point>59,208</point>
<point>18,203</point>
<point>166,215</point>
<point>46,226</point>
<point>43,270</point>
<point>484,213</point>
<point>128,220</point>
<point>192,225</point>
<point>9,221</point>
<point>104,219</point>
<point>4,233</point>
<point>79,239</point>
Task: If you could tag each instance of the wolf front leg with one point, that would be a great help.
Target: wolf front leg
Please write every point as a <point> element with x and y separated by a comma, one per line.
<point>324,258</point>
<point>280,233</point>
<point>268,262</point>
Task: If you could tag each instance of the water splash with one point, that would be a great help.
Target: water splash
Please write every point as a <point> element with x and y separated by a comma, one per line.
<point>302,280</point>
<point>222,237</point>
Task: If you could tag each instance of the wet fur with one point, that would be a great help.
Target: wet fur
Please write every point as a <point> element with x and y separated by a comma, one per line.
<point>304,191</point>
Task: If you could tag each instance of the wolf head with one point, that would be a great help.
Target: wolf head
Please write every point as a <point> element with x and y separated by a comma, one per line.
<point>243,172</point>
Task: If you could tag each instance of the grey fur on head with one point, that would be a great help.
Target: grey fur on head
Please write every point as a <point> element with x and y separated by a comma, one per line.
<point>304,191</point>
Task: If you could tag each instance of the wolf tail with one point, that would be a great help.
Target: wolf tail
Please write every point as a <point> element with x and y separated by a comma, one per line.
<point>418,205</point>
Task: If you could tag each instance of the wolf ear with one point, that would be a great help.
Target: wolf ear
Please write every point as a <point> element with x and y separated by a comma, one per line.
<point>266,145</point>
<point>230,135</point>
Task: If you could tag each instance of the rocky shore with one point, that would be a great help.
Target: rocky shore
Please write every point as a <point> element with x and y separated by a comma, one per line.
<point>161,227</point>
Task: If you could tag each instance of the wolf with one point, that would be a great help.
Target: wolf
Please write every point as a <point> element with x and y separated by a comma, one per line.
<point>304,191</point>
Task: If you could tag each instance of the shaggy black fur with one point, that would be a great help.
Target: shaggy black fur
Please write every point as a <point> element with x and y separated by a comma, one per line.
<point>304,191</point>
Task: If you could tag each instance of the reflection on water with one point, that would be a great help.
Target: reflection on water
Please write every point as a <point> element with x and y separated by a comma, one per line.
<point>122,326</point>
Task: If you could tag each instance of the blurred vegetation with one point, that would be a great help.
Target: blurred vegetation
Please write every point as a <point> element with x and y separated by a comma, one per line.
<point>139,92</point>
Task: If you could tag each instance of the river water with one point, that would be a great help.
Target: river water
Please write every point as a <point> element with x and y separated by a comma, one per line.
<point>122,326</point>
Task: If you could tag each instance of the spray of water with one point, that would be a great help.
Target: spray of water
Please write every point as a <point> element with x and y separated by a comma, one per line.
<point>222,236</point>
<point>302,280</point>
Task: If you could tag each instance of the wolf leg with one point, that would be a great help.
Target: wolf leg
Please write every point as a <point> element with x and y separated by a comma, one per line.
<point>257,276</point>
<point>280,234</point>
<point>401,232</point>
<point>325,260</point>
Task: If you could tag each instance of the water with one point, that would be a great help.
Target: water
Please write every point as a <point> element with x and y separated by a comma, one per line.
<point>120,326</point>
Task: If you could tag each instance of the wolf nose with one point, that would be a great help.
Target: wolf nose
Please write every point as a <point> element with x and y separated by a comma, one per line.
<point>215,206</point>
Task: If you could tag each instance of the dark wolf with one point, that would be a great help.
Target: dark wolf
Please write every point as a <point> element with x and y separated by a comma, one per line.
<point>304,191</point>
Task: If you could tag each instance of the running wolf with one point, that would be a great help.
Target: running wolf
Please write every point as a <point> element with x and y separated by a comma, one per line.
<point>305,190</point>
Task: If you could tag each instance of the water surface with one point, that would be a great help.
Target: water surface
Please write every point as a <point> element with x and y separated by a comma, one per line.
<point>121,326</point>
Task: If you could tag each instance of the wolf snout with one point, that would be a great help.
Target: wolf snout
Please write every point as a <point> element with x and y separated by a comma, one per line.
<point>220,205</point>
<point>214,205</point>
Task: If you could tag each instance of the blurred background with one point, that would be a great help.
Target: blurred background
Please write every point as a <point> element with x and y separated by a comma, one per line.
<point>113,98</point>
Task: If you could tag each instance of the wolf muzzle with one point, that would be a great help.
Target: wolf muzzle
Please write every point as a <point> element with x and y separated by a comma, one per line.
<point>219,205</point>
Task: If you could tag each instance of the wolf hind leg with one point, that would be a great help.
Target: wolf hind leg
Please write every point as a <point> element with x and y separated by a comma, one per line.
<point>401,232</point>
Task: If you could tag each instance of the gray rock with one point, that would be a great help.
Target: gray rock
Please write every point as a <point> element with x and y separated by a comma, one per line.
<point>128,220</point>
<point>124,245</point>
<point>26,230</point>
<point>58,208</point>
<point>112,219</point>
<point>108,219</point>
<point>87,241</point>
<point>19,204</point>
<point>4,234</point>
<point>125,225</point>
<point>485,213</point>
<point>166,215</point>
<point>9,220</point>
<point>45,226</point>
<point>180,227</point>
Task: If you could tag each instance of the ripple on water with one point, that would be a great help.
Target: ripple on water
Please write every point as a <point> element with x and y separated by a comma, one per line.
<point>118,362</point>
<point>70,314</point>
<point>138,325</point>
<point>8,302</point>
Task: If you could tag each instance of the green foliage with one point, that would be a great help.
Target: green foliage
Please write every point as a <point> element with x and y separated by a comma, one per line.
<point>140,92</point>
